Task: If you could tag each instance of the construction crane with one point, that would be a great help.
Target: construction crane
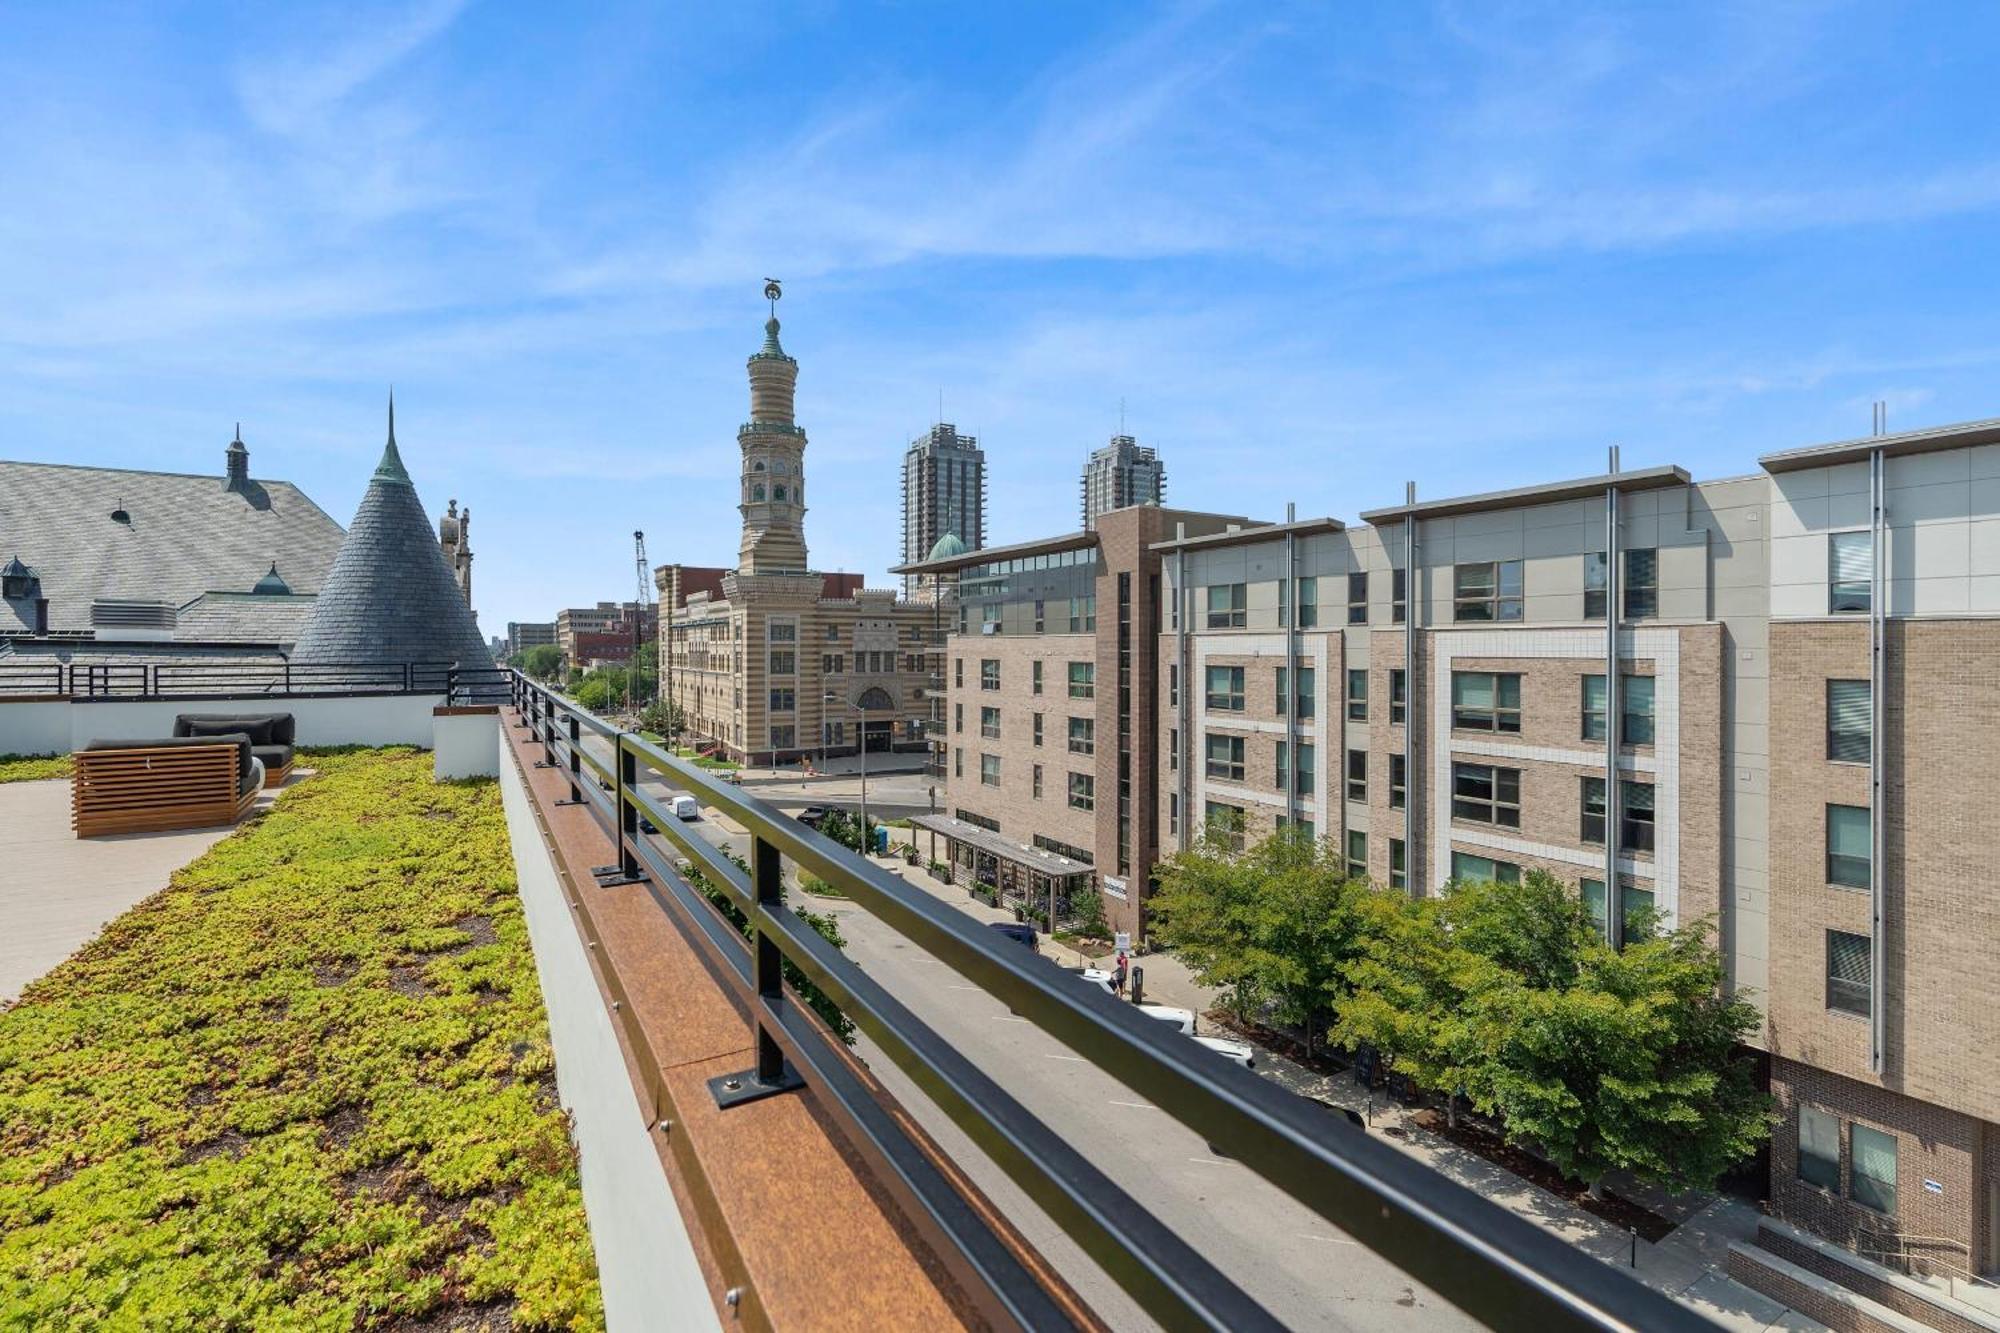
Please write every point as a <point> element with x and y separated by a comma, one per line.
<point>633,687</point>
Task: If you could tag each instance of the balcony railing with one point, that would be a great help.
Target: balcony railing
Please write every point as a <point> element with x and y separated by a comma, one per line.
<point>225,678</point>
<point>1497,1267</point>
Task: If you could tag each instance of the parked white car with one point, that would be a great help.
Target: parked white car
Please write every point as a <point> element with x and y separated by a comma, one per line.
<point>1098,977</point>
<point>1182,1019</point>
<point>1236,1052</point>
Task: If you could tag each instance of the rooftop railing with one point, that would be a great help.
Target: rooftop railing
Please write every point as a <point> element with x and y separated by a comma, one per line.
<point>1496,1266</point>
<point>235,678</point>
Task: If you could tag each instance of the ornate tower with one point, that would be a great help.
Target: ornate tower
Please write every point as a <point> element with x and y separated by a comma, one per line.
<point>774,478</point>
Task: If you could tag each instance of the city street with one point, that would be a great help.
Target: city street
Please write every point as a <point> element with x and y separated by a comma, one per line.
<point>1304,1271</point>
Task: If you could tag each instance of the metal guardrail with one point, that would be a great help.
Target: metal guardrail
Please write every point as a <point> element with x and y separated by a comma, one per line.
<point>235,678</point>
<point>1495,1266</point>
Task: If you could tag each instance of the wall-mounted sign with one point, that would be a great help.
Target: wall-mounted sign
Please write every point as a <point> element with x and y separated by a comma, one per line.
<point>1933,1186</point>
<point>1115,888</point>
<point>1122,941</point>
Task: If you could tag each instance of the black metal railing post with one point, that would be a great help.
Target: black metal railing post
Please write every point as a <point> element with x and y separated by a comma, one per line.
<point>770,1074</point>
<point>575,761</point>
<point>624,813</point>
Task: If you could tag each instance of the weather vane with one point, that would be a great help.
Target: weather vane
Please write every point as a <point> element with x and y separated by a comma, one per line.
<point>772,292</point>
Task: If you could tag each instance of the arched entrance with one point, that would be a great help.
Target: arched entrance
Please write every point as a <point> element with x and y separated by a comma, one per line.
<point>876,735</point>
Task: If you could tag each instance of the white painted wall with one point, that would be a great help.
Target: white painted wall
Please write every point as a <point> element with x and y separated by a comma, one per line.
<point>466,745</point>
<point>43,728</point>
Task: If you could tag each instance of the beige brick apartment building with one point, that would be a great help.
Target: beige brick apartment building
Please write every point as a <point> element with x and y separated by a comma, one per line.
<point>774,662</point>
<point>1798,745</point>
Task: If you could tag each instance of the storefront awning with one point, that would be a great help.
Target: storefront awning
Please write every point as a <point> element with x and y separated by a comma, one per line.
<point>995,844</point>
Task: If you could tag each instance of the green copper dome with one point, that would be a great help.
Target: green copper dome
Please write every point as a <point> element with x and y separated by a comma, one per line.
<point>272,584</point>
<point>947,546</point>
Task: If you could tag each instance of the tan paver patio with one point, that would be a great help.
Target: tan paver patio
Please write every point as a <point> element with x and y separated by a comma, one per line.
<point>57,892</point>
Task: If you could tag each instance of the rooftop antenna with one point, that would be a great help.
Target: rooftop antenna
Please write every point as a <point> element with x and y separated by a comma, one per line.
<point>772,293</point>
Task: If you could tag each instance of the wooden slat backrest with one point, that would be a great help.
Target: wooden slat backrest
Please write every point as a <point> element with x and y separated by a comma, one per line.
<point>178,786</point>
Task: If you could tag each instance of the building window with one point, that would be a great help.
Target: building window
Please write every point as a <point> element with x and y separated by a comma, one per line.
<point>1038,729</point>
<point>1872,1179</point>
<point>1398,782</point>
<point>1082,792</point>
<point>1173,684</point>
<point>1635,814</point>
<point>1224,823</point>
<point>1303,699</point>
<point>1636,709</point>
<point>989,673</point>
<point>1847,972</point>
<point>1304,827</point>
<point>832,664</point>
<point>1487,590</point>
<point>1226,603</point>
<point>989,618</point>
<point>1398,696</point>
<point>1083,614</point>
<point>1225,689</point>
<point>989,723</point>
<point>1036,778</point>
<point>1486,701</point>
<point>1083,680</point>
<point>1357,854</point>
<point>782,701</point>
<point>1041,617</point>
<point>1357,696</point>
<point>1641,593</point>
<point>1173,812</point>
<point>833,634</point>
<point>785,663</point>
<point>1486,794</point>
<point>781,631</point>
<point>1308,603</point>
<point>1847,710</point>
<point>783,737</point>
<point>1850,559</point>
<point>1357,775</point>
<point>989,770</point>
<point>1819,1148</point>
<point>1225,757</point>
<point>958,717</point>
<point>957,672</point>
<point>833,733</point>
<point>976,819</point>
<point>1174,750</point>
<point>1035,677</point>
<point>1399,875</point>
<point>1847,846</point>
<point>1357,597</point>
<point>958,763</point>
<point>1469,869</point>
<point>1082,736</point>
<point>1399,597</point>
<point>1303,778</point>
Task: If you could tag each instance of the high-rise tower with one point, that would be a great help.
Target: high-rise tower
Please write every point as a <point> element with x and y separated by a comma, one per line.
<point>944,494</point>
<point>1121,473</point>
<point>774,477</point>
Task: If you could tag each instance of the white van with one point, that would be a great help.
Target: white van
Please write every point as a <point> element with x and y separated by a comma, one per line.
<point>685,808</point>
<point>1182,1019</point>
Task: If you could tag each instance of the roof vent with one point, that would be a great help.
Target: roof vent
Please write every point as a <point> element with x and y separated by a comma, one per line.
<point>123,619</point>
<point>16,579</point>
<point>119,515</point>
<point>272,584</point>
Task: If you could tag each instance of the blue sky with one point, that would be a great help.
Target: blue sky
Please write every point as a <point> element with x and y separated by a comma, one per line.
<point>1315,249</point>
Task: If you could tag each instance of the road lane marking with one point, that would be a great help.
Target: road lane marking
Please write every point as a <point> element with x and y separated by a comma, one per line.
<point>1143,1106</point>
<point>965,988</point>
<point>1006,1018</point>
<point>1050,1055</point>
<point>1331,1240</point>
<point>1209,1161</point>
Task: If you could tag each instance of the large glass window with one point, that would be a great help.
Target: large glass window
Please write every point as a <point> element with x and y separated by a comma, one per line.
<point>782,701</point>
<point>1038,728</point>
<point>1225,689</point>
<point>1635,906</point>
<point>1082,791</point>
<point>989,673</point>
<point>1398,782</point>
<point>1398,695</point>
<point>1083,680</point>
<point>1486,794</point>
<point>1486,701</point>
<point>1487,590</point>
<point>1635,814</point>
<point>1819,1148</point>
<point>1357,775</point>
<point>1470,869</point>
<point>1308,603</point>
<point>1224,823</point>
<point>1872,1180</point>
<point>1083,614</point>
<point>1399,875</point>
<point>1847,972</point>
<point>1036,776</point>
<point>1082,735</point>
<point>1357,696</point>
<point>1847,846</point>
<point>1226,602</point>
<point>1357,854</point>
<point>989,770</point>
<point>1641,594</point>
<point>1850,559</point>
<point>1398,582</point>
<point>989,723</point>
<point>784,662</point>
<point>1847,709</point>
<point>1304,694</point>
<point>1225,757</point>
<point>1636,722</point>
<point>1357,597</point>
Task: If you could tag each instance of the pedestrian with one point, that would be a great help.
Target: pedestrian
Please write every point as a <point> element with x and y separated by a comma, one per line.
<point>1118,975</point>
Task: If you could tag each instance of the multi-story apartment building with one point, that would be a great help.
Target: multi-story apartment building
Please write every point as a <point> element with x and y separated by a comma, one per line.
<point>1120,474</point>
<point>772,661</point>
<point>944,494</point>
<point>1051,696</point>
<point>1794,747</point>
<point>525,634</point>
<point>603,633</point>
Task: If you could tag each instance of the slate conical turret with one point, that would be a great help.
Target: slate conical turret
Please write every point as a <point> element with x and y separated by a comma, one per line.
<point>390,597</point>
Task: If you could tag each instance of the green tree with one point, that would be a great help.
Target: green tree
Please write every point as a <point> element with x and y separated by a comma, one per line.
<point>543,661</point>
<point>1409,982</point>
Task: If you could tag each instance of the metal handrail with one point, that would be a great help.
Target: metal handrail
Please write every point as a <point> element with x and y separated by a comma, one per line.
<point>1903,1241</point>
<point>1491,1263</point>
<point>142,679</point>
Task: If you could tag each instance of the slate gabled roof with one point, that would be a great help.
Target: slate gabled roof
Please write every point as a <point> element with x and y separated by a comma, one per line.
<point>187,534</point>
<point>390,596</point>
<point>242,617</point>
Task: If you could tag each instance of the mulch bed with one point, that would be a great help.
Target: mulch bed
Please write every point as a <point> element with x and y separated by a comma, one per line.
<point>1472,1135</point>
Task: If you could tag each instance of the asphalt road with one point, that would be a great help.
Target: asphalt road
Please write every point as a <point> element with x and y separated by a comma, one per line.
<point>1304,1271</point>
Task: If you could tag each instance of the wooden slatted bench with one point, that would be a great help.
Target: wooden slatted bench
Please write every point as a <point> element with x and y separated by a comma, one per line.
<point>141,788</point>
